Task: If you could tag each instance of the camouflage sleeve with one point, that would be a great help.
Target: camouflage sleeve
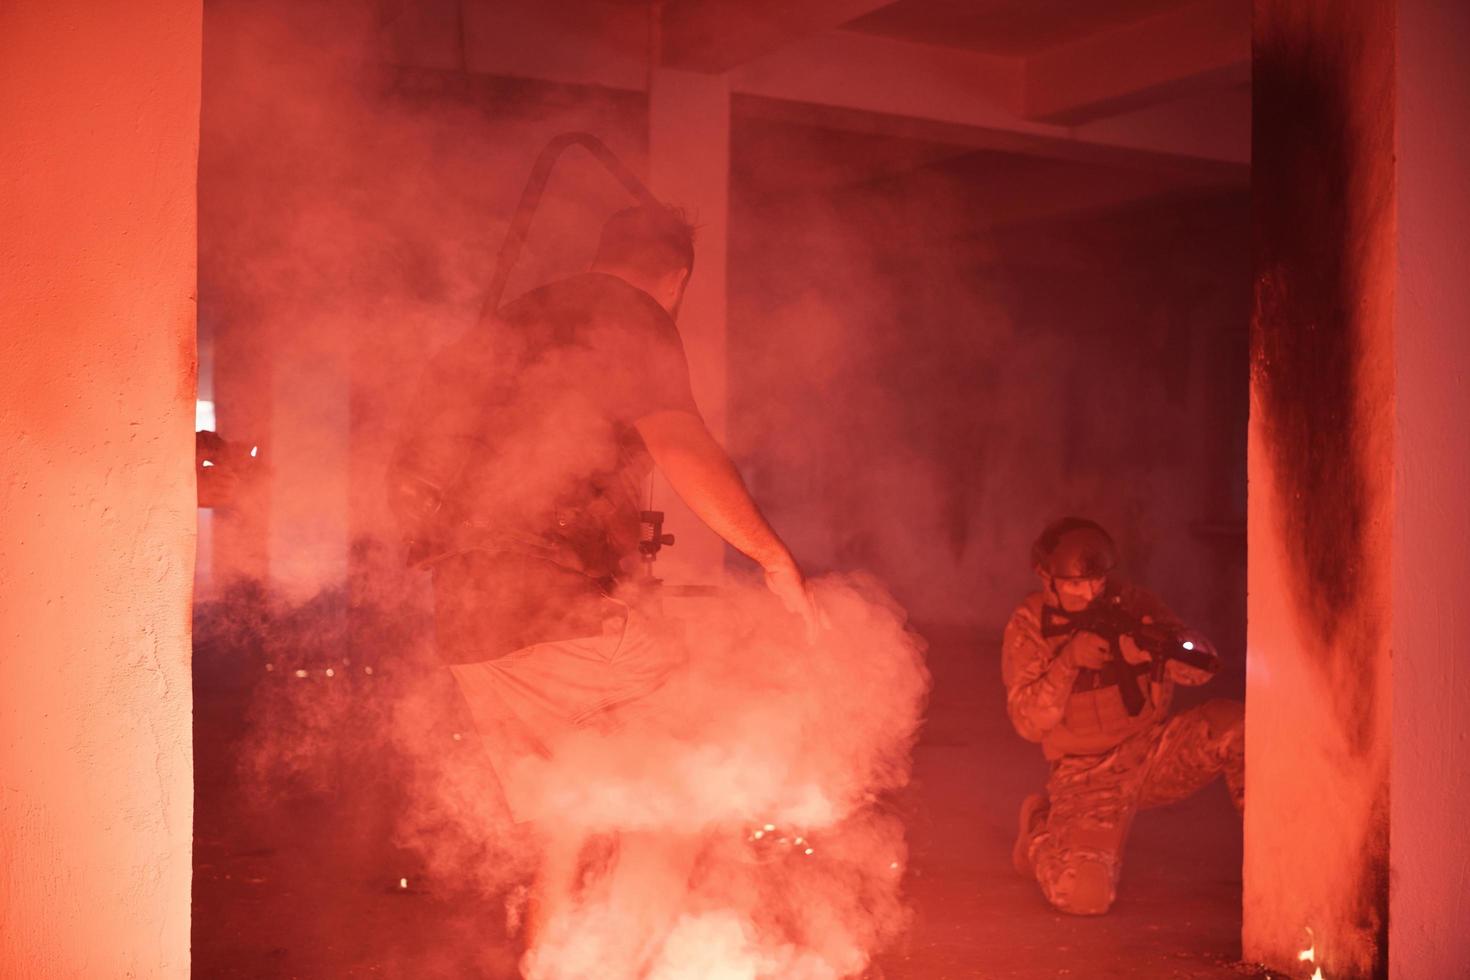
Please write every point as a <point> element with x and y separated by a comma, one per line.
<point>1038,681</point>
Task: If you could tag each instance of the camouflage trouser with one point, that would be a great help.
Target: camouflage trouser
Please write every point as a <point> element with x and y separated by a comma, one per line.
<point>1077,848</point>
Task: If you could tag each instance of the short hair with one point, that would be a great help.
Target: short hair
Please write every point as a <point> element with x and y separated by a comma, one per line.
<point>651,240</point>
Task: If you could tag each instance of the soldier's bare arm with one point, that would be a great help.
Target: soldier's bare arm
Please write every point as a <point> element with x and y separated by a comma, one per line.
<point>701,473</point>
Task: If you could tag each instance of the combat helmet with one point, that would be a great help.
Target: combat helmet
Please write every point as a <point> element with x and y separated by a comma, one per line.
<point>1074,547</point>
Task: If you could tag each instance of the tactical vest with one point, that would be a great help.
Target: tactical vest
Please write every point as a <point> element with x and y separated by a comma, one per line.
<point>1095,718</point>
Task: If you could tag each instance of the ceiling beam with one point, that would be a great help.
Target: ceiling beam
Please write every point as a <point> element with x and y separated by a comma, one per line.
<point>974,98</point>
<point>718,35</point>
<point>1195,169</point>
<point>871,83</point>
<point>1179,52</point>
<point>848,70</point>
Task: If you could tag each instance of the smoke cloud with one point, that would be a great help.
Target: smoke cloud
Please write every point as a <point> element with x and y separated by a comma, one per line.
<point>741,811</point>
<point>896,356</point>
<point>748,797</point>
<point>349,219</point>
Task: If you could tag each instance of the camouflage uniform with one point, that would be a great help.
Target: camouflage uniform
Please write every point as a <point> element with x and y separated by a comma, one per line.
<point>1106,764</point>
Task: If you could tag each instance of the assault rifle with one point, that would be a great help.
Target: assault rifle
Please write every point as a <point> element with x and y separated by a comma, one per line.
<point>1109,618</point>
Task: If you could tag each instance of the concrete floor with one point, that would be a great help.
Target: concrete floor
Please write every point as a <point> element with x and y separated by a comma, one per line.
<point>305,885</point>
<point>1178,908</point>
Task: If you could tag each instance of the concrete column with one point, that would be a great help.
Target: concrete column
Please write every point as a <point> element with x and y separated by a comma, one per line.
<point>1358,470</point>
<point>1431,555</point>
<point>689,166</point>
<point>99,102</point>
<point>1321,504</point>
<point>308,451</point>
<point>279,279</point>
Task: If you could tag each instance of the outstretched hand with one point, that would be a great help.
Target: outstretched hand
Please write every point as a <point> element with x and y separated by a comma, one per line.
<point>790,586</point>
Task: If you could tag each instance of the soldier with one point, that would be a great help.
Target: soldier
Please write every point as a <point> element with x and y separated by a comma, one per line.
<point>519,478</point>
<point>1099,706</point>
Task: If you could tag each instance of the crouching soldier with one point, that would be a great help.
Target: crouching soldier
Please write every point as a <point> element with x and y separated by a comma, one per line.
<point>1090,666</point>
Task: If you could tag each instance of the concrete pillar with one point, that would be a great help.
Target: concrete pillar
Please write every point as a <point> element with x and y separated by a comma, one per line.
<point>1431,554</point>
<point>278,281</point>
<point>99,102</point>
<point>689,166</point>
<point>309,452</point>
<point>1356,691</point>
<point>1320,487</point>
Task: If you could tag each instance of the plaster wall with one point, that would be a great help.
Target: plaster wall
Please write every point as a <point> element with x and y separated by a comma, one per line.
<point>1321,506</point>
<point>1431,684</point>
<point>99,104</point>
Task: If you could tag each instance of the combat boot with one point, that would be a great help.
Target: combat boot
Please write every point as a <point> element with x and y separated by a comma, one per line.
<point>1034,809</point>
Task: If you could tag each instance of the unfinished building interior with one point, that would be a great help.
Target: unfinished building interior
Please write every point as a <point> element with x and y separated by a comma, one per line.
<point>1190,268</point>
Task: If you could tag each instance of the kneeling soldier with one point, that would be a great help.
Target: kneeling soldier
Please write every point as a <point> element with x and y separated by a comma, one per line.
<point>1090,666</point>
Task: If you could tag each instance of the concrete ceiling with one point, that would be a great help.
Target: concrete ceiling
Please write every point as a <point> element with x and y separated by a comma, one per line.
<point>1159,86</point>
<point>774,159</point>
<point>1060,62</point>
<point>1016,28</point>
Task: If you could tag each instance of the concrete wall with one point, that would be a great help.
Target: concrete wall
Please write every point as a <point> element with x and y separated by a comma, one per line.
<point>917,390</point>
<point>1431,685</point>
<point>1321,506</point>
<point>99,104</point>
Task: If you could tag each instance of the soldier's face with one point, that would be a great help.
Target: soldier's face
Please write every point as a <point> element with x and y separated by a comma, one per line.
<point>1075,594</point>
